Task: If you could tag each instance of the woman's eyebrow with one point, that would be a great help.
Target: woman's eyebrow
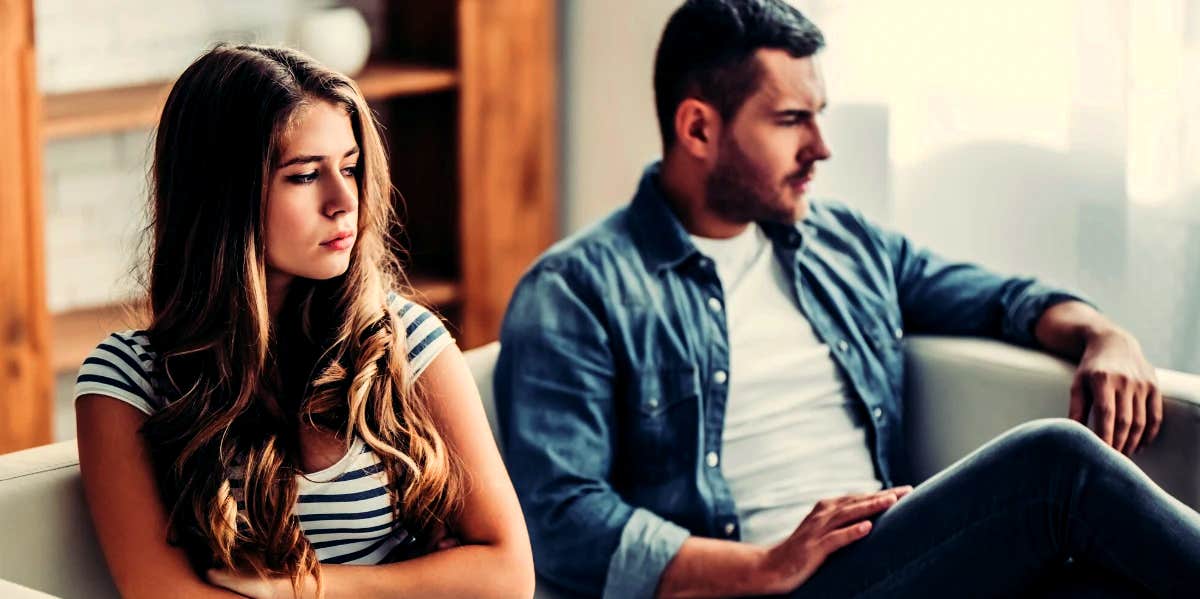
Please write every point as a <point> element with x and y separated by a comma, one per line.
<point>315,158</point>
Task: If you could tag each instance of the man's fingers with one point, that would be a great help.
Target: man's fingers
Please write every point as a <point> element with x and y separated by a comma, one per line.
<point>896,492</point>
<point>1077,410</point>
<point>1154,415</point>
<point>1103,406</point>
<point>836,539</point>
<point>1126,394</point>
<point>860,510</point>
<point>834,502</point>
<point>1138,426</point>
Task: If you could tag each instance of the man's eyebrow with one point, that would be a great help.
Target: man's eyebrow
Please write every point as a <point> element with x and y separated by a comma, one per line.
<point>315,158</point>
<point>799,113</point>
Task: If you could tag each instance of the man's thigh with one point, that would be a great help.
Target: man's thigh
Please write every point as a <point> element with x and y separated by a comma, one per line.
<point>983,527</point>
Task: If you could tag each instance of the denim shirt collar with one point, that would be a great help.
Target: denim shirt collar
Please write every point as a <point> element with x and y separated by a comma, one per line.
<point>661,238</point>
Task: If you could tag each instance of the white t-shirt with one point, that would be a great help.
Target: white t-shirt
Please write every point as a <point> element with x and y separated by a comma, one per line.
<point>792,432</point>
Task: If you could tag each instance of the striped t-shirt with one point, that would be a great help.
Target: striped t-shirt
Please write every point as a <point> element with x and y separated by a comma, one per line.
<point>344,510</point>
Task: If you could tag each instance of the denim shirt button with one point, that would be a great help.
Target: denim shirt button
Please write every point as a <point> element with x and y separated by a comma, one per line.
<point>652,402</point>
<point>729,528</point>
<point>878,413</point>
<point>714,304</point>
<point>720,376</point>
<point>898,333</point>
<point>843,346</point>
<point>705,263</point>
<point>712,459</point>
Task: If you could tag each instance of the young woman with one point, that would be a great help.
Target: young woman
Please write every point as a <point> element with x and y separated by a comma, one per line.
<point>289,424</point>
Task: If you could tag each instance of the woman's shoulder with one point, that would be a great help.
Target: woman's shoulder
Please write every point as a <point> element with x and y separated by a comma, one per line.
<point>122,366</point>
<point>423,331</point>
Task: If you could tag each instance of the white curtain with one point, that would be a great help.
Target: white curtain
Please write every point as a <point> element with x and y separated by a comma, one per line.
<point>1058,138</point>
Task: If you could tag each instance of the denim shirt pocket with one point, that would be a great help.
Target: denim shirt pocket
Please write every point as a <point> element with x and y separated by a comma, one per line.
<point>667,419</point>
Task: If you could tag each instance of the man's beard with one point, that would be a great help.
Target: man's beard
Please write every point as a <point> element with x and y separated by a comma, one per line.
<point>736,191</point>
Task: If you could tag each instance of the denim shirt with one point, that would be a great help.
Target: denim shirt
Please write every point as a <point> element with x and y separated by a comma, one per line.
<point>607,401</point>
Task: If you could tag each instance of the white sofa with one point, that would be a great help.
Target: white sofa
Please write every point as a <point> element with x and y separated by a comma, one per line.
<point>961,392</point>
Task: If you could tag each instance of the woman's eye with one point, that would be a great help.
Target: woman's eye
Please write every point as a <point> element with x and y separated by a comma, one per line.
<point>303,178</point>
<point>351,171</point>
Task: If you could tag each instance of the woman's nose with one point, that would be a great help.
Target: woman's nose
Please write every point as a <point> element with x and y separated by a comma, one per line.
<point>342,196</point>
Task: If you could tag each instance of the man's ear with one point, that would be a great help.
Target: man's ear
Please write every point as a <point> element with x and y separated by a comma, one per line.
<point>697,125</point>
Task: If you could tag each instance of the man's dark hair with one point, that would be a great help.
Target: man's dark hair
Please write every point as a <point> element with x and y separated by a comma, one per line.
<point>707,51</point>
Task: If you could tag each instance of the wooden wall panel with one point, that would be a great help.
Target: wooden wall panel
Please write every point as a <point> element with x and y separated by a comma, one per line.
<point>508,154</point>
<point>26,405</point>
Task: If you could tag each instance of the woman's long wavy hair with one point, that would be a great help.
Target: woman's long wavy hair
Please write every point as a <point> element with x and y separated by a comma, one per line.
<point>239,387</point>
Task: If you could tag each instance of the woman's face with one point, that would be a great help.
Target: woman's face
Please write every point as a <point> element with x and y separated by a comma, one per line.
<point>312,197</point>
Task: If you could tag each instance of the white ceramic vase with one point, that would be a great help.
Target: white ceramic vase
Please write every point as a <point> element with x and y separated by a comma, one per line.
<point>337,37</point>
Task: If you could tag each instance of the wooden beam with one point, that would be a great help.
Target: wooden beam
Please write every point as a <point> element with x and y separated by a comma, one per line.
<point>508,155</point>
<point>26,399</point>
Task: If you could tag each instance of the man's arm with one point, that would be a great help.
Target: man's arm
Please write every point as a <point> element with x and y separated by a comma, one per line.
<point>717,568</point>
<point>1114,382</point>
<point>555,386</point>
<point>943,297</point>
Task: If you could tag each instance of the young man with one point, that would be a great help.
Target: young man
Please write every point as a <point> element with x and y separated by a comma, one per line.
<point>701,395</point>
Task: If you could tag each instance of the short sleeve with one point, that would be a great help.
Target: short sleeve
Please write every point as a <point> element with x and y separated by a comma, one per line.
<point>121,367</point>
<point>424,334</point>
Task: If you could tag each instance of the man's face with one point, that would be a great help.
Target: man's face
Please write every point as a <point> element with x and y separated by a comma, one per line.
<point>767,151</point>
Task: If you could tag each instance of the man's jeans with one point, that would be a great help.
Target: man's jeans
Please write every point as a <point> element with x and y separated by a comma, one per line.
<point>1044,508</point>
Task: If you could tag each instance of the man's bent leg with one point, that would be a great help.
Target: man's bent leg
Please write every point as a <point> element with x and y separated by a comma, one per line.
<point>1010,514</point>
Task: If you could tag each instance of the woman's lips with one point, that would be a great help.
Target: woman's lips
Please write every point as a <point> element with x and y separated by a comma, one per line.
<point>340,243</point>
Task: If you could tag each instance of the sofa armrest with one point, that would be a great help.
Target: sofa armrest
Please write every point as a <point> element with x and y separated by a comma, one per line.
<point>962,392</point>
<point>48,542</point>
<point>12,590</point>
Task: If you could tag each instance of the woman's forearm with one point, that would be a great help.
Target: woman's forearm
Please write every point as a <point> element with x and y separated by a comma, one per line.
<point>463,571</point>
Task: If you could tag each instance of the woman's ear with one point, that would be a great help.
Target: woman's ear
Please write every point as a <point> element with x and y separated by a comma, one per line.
<point>697,125</point>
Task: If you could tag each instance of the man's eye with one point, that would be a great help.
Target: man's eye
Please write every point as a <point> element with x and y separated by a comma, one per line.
<point>303,178</point>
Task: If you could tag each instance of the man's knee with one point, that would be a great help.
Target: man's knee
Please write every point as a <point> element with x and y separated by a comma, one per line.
<point>1057,437</point>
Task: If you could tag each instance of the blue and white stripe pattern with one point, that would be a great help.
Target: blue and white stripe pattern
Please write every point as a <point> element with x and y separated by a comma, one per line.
<point>344,510</point>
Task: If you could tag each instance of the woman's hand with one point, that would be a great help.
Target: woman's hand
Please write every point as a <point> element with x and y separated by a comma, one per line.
<point>251,585</point>
<point>443,539</point>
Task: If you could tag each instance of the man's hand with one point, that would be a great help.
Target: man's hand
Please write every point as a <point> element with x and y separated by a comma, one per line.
<point>1119,389</point>
<point>1114,383</point>
<point>831,525</point>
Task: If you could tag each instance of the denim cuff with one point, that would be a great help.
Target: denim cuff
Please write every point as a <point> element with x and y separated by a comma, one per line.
<point>1023,316</point>
<point>648,543</point>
